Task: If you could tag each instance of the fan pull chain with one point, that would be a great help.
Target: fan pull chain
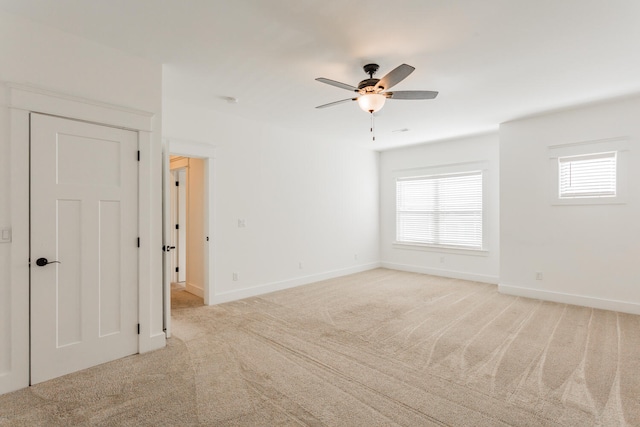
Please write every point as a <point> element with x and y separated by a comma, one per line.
<point>373,134</point>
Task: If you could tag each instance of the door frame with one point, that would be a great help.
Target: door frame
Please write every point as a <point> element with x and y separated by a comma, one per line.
<point>22,101</point>
<point>206,152</point>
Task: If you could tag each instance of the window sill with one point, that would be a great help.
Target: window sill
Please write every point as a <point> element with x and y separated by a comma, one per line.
<point>440,249</point>
<point>581,201</point>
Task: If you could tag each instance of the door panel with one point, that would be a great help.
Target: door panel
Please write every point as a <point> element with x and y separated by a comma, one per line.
<point>69,274</point>
<point>182,225</point>
<point>84,202</point>
<point>110,268</point>
<point>173,220</point>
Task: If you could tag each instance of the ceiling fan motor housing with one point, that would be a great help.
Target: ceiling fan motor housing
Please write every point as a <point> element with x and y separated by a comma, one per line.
<point>368,83</point>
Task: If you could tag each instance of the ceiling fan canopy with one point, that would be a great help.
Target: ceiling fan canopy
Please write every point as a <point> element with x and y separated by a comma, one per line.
<point>373,92</point>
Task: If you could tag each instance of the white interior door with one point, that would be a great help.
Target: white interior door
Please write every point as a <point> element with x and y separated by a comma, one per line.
<point>173,235</point>
<point>181,224</point>
<point>167,219</point>
<point>178,225</point>
<point>84,214</point>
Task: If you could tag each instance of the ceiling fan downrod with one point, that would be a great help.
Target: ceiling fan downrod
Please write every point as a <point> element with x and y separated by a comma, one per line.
<point>371,69</point>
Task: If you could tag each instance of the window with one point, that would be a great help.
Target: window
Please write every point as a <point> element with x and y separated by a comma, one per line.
<point>589,172</point>
<point>591,175</point>
<point>440,210</point>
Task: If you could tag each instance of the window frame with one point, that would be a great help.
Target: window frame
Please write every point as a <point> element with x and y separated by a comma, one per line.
<point>619,145</point>
<point>444,171</point>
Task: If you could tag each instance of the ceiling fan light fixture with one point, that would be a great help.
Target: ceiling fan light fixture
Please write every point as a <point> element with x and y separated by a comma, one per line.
<point>371,102</point>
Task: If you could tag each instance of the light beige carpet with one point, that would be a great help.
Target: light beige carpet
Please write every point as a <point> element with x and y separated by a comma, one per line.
<point>379,348</point>
<point>180,298</point>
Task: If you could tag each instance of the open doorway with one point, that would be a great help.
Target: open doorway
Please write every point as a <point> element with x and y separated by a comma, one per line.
<point>197,160</point>
<point>187,231</point>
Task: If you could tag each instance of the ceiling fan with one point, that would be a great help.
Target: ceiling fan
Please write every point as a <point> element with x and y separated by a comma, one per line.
<point>372,93</point>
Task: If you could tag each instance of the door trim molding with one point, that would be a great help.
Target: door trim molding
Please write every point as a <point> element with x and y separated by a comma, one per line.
<point>38,100</point>
<point>17,375</point>
<point>206,152</point>
<point>21,101</point>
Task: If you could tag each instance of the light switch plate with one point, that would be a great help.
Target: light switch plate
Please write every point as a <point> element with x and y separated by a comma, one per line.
<point>5,235</point>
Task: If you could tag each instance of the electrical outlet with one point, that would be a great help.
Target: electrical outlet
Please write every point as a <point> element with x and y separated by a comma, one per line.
<point>355,257</point>
<point>300,265</point>
<point>234,277</point>
<point>441,260</point>
<point>538,275</point>
<point>5,235</point>
<point>241,223</point>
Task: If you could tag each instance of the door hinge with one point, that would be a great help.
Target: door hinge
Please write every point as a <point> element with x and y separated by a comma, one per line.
<point>138,328</point>
<point>177,183</point>
<point>177,269</point>
<point>138,242</point>
<point>138,155</point>
<point>177,226</point>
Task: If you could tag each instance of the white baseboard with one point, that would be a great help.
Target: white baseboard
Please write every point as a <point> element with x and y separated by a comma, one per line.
<point>586,301</point>
<point>286,284</point>
<point>443,273</point>
<point>193,289</point>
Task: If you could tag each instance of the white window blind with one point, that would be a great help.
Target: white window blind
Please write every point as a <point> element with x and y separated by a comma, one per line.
<point>440,210</point>
<point>592,175</point>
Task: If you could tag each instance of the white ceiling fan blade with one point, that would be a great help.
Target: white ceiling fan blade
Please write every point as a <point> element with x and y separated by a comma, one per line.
<point>411,94</point>
<point>337,84</point>
<point>395,76</point>
<point>336,103</point>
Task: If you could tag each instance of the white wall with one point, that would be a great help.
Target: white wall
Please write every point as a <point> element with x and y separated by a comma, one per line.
<point>443,157</point>
<point>305,202</point>
<point>38,55</point>
<point>588,254</point>
<point>5,248</point>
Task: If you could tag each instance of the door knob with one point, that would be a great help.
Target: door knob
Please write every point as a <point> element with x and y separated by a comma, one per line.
<point>41,262</point>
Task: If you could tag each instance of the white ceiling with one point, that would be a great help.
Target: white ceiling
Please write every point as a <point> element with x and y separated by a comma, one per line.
<point>492,61</point>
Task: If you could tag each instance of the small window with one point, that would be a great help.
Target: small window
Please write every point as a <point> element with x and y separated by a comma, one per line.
<point>440,210</point>
<point>586,176</point>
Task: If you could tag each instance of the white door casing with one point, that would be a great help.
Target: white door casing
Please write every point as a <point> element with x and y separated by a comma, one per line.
<point>84,214</point>
<point>205,151</point>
